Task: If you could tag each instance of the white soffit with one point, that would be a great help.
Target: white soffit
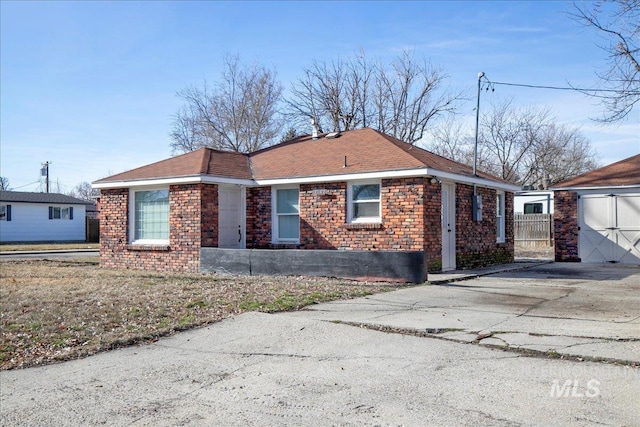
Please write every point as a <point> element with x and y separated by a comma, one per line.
<point>207,179</point>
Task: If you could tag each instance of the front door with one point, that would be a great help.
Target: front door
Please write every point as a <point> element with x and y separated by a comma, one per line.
<point>230,217</point>
<point>448,226</point>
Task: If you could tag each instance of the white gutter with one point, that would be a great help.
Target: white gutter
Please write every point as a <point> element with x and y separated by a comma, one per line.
<point>206,179</point>
<point>197,179</point>
<point>476,180</point>
<point>612,187</point>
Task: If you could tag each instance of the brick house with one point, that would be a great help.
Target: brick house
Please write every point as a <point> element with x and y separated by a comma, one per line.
<point>597,215</point>
<point>356,204</point>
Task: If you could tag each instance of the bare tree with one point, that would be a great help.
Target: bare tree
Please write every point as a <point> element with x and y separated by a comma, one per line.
<point>4,183</point>
<point>409,96</point>
<point>400,99</point>
<point>508,135</point>
<point>520,145</point>
<point>619,22</point>
<point>335,94</point>
<point>560,152</point>
<point>451,140</point>
<point>239,113</point>
<point>290,134</point>
<point>83,191</point>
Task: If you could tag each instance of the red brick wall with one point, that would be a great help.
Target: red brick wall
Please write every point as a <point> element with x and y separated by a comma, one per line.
<point>209,218</point>
<point>323,222</point>
<point>192,221</point>
<point>323,218</point>
<point>565,226</point>
<point>114,230</point>
<point>432,213</point>
<point>258,218</point>
<point>476,240</point>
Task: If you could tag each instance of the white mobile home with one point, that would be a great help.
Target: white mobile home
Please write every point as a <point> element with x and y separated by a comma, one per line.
<point>41,217</point>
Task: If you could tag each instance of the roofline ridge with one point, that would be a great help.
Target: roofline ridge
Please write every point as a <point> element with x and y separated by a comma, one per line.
<point>206,159</point>
<point>292,141</point>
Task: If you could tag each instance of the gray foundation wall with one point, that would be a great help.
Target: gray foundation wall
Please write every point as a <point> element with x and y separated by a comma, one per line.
<point>364,265</point>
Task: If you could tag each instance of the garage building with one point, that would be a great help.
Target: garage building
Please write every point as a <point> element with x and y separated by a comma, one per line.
<point>597,215</point>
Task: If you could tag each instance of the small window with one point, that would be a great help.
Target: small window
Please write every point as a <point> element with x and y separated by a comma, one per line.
<point>57,212</point>
<point>364,202</point>
<point>151,215</point>
<point>533,208</point>
<point>500,222</point>
<point>287,215</point>
<point>4,213</point>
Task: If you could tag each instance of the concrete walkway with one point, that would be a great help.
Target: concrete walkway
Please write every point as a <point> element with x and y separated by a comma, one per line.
<point>458,275</point>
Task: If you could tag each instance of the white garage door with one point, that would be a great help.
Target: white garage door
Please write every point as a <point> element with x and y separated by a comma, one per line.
<point>609,228</point>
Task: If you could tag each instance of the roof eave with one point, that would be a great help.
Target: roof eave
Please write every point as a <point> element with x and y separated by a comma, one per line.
<point>177,180</point>
<point>402,173</point>
<point>593,187</point>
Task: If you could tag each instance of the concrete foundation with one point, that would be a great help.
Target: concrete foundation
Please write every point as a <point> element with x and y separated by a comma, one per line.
<point>409,266</point>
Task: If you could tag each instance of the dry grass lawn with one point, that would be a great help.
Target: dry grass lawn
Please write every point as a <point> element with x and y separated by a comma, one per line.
<point>59,310</point>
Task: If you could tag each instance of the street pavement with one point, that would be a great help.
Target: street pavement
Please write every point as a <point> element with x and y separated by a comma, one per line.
<point>49,254</point>
<point>551,345</point>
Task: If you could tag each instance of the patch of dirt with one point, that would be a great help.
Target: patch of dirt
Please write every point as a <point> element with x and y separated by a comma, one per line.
<point>59,310</point>
<point>533,252</point>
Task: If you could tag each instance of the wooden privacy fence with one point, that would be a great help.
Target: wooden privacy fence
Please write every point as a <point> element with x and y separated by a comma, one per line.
<point>92,230</point>
<point>533,229</point>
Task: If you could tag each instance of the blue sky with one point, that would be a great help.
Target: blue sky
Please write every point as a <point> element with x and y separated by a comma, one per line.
<point>90,86</point>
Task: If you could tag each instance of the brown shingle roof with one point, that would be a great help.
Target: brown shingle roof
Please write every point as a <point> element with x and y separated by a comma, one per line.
<point>366,150</point>
<point>203,161</point>
<point>622,173</point>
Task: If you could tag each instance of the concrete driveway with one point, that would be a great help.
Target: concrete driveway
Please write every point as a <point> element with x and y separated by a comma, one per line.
<point>486,351</point>
<point>580,310</point>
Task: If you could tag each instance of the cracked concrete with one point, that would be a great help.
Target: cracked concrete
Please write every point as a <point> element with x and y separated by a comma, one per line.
<point>459,358</point>
<point>576,310</point>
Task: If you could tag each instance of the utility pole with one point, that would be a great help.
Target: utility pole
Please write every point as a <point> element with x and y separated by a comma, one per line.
<point>45,172</point>
<point>475,150</point>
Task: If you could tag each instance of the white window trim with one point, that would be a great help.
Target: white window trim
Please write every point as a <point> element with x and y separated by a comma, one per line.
<point>132,217</point>
<point>500,218</point>
<point>274,214</point>
<point>61,210</point>
<point>350,210</point>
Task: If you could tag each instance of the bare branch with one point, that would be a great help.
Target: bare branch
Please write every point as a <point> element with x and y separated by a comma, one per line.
<point>240,113</point>
<point>619,23</point>
<point>401,99</point>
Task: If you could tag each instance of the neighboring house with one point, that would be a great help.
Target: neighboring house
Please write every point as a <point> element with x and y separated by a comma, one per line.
<point>356,204</point>
<point>597,215</point>
<point>41,217</point>
<point>533,202</point>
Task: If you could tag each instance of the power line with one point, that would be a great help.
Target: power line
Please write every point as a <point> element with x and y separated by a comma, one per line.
<point>575,89</point>
<point>26,185</point>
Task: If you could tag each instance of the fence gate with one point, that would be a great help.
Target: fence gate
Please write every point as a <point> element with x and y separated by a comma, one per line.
<point>533,229</point>
<point>93,230</point>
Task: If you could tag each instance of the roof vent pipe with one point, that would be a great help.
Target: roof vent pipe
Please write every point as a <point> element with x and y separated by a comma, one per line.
<point>315,129</point>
